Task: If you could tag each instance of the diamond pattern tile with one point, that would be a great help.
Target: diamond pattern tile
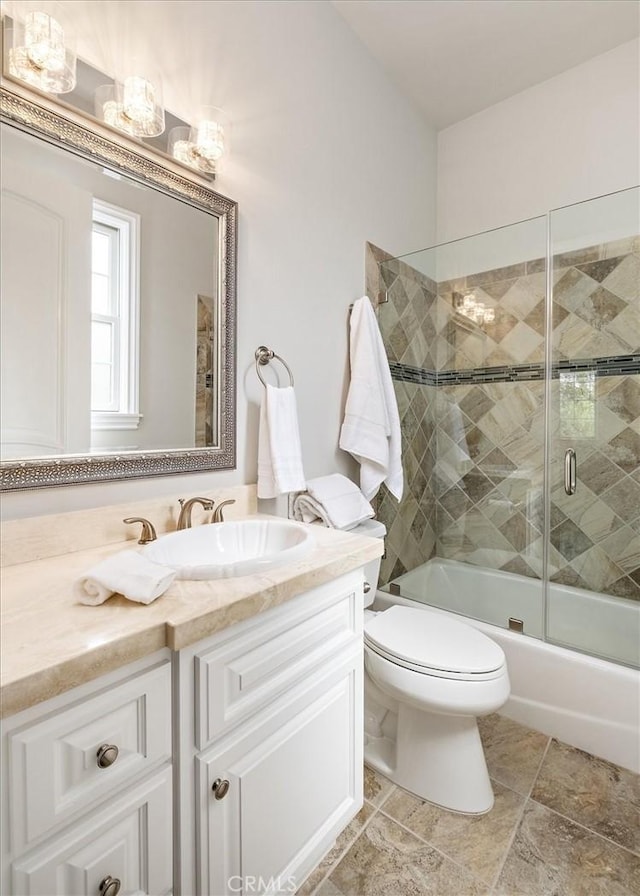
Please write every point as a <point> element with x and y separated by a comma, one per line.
<point>624,499</point>
<point>569,540</point>
<point>473,453</point>
<point>599,473</point>
<point>598,270</point>
<point>624,450</point>
<point>624,399</point>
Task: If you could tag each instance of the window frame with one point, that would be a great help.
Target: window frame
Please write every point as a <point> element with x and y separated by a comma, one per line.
<point>127,320</point>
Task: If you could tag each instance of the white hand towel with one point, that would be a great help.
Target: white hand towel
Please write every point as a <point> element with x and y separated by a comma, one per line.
<point>128,573</point>
<point>335,500</point>
<point>279,452</point>
<point>371,427</point>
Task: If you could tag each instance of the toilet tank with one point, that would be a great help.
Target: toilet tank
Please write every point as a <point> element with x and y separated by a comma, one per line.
<point>373,529</point>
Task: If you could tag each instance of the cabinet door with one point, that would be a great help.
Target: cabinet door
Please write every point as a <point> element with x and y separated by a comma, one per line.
<point>295,781</point>
<point>130,843</point>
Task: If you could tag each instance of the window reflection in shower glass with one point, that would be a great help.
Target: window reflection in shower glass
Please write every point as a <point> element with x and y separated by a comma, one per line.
<point>577,405</point>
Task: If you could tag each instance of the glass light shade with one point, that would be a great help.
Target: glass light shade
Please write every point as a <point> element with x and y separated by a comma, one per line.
<point>44,41</point>
<point>42,54</point>
<point>208,135</point>
<point>202,145</point>
<point>139,101</point>
<point>133,107</point>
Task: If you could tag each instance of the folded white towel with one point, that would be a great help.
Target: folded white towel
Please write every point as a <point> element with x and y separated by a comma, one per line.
<point>371,427</point>
<point>279,452</point>
<point>335,500</point>
<point>128,573</point>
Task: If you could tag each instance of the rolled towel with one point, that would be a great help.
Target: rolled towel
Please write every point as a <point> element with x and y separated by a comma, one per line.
<point>335,500</point>
<point>128,573</point>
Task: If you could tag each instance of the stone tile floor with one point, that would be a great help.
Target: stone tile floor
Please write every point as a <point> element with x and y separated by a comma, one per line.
<point>564,823</point>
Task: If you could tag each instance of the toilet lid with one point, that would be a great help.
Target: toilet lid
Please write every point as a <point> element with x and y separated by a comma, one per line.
<point>433,641</point>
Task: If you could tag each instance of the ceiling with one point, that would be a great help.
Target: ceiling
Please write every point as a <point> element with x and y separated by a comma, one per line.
<point>457,57</point>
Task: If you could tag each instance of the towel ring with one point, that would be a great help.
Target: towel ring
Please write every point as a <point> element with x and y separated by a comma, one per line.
<point>263,356</point>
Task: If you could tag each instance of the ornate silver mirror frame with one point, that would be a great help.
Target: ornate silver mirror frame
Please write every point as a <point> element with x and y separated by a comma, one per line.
<point>88,140</point>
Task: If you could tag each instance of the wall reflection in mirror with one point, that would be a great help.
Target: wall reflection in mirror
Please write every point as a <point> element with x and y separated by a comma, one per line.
<point>108,306</point>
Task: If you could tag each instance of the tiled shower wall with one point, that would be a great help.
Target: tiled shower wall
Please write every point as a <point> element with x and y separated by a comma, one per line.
<point>595,534</point>
<point>471,400</point>
<point>408,332</point>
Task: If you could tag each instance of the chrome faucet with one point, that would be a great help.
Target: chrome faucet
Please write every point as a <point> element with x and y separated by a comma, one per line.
<point>184,520</point>
<point>217,513</point>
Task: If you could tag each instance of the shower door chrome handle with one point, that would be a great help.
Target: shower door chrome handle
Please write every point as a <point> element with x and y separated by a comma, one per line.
<point>570,471</point>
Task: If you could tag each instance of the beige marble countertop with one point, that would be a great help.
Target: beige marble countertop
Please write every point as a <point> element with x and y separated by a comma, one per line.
<point>51,643</point>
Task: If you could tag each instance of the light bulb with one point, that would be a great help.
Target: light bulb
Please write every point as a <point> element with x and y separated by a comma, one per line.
<point>209,140</point>
<point>44,41</point>
<point>21,66</point>
<point>139,103</point>
<point>113,114</point>
<point>183,152</point>
<point>469,302</point>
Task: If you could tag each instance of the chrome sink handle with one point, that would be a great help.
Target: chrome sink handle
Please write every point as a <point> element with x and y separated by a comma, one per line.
<point>148,532</point>
<point>217,513</point>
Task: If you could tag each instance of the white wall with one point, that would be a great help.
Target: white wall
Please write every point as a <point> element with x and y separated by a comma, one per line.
<point>326,154</point>
<point>571,138</point>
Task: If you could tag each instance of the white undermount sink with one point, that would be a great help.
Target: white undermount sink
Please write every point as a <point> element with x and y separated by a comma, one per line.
<point>236,548</point>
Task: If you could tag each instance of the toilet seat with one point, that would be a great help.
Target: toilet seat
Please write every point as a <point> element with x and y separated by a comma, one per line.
<point>432,644</point>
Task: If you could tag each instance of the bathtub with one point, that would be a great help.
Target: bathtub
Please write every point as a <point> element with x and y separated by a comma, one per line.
<point>585,701</point>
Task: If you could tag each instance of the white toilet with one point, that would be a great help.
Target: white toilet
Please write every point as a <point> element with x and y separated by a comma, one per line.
<point>427,679</point>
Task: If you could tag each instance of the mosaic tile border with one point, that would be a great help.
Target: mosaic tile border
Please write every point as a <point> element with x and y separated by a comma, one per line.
<point>404,373</point>
<point>619,365</point>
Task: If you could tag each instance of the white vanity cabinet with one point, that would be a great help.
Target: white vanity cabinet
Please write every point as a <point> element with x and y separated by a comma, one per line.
<point>87,788</point>
<point>271,743</point>
<point>228,767</point>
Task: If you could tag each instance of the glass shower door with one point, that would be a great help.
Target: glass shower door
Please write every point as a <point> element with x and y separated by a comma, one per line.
<point>593,507</point>
<point>464,331</point>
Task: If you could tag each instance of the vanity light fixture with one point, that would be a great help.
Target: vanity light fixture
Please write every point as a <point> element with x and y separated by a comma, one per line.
<point>478,312</point>
<point>202,145</point>
<point>41,51</point>
<point>133,106</point>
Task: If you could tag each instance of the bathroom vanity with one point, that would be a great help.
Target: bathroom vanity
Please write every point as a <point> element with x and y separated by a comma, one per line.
<point>216,738</point>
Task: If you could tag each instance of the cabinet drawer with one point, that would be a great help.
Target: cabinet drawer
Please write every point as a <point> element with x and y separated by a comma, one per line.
<point>243,672</point>
<point>54,772</point>
<point>131,842</point>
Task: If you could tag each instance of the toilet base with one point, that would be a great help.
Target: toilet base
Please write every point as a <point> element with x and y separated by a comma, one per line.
<point>437,757</point>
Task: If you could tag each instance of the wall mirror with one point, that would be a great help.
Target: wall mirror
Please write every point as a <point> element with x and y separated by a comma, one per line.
<point>118,305</point>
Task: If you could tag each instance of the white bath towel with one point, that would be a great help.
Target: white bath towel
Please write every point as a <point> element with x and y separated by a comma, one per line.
<point>371,427</point>
<point>128,573</point>
<point>279,452</point>
<point>335,500</point>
